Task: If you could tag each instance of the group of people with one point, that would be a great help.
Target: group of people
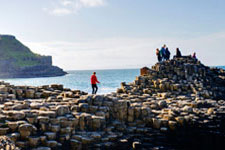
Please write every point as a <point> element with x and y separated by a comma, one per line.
<point>164,53</point>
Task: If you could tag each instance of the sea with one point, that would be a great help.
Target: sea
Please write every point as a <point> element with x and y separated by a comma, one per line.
<point>110,80</point>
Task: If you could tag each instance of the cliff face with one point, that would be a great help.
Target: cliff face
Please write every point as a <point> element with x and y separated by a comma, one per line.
<point>18,61</point>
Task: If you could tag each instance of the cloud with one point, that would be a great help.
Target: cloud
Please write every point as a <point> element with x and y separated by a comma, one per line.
<point>67,7</point>
<point>125,52</point>
<point>66,2</point>
<point>61,11</point>
<point>92,3</point>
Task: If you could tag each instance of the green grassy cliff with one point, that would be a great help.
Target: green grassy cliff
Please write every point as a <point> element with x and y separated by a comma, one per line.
<point>11,48</point>
<point>15,58</point>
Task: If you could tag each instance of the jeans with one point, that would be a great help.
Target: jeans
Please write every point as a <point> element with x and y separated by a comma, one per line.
<point>94,88</point>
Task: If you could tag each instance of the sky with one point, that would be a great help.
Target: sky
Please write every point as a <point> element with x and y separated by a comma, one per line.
<point>116,34</point>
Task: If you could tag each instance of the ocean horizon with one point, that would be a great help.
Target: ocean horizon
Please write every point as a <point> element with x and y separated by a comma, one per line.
<point>110,79</point>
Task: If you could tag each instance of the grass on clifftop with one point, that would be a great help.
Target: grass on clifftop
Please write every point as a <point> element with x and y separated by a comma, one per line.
<point>20,55</point>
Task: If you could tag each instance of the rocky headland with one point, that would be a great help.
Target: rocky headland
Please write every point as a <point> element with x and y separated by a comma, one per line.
<point>177,104</point>
<point>18,61</point>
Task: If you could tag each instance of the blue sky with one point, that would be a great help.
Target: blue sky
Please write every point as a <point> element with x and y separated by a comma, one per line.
<point>101,34</point>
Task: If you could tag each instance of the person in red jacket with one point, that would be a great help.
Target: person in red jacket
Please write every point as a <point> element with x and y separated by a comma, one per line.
<point>94,82</point>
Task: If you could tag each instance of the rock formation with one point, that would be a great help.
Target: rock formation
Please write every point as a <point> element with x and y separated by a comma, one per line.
<point>17,61</point>
<point>172,97</point>
<point>7,144</point>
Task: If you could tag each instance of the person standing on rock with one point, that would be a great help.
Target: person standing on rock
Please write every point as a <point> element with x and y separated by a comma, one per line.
<point>163,52</point>
<point>94,82</point>
<point>194,55</point>
<point>178,53</point>
<point>167,52</point>
<point>158,55</point>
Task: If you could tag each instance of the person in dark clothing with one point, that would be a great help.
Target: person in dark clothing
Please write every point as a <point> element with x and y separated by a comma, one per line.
<point>178,53</point>
<point>158,55</point>
<point>94,82</point>
<point>194,55</point>
<point>163,52</point>
<point>167,52</point>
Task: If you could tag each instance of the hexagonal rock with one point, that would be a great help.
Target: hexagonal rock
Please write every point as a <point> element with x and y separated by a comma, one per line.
<point>75,144</point>
<point>12,125</point>
<point>30,93</point>
<point>57,86</point>
<point>14,136</point>
<point>3,131</point>
<point>62,110</point>
<point>15,115</point>
<point>52,143</point>
<point>43,148</point>
<point>50,135</point>
<point>33,141</point>
<point>51,114</point>
<point>162,104</point>
<point>26,129</point>
<point>3,88</point>
<point>35,105</point>
<point>187,109</point>
<point>43,119</point>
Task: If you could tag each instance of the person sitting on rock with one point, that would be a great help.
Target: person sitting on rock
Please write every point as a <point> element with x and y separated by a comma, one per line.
<point>94,82</point>
<point>167,52</point>
<point>178,53</point>
<point>163,52</point>
<point>158,55</point>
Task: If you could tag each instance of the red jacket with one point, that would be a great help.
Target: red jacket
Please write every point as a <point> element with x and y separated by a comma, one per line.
<point>94,79</point>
